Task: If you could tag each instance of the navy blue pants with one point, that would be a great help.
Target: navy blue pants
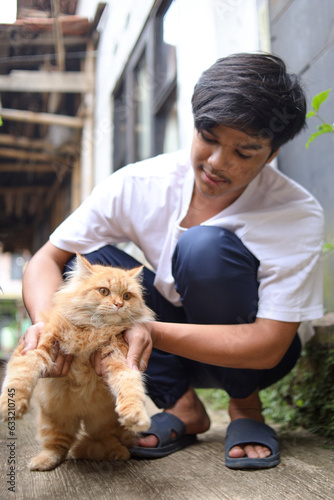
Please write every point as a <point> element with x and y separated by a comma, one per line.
<point>216,277</point>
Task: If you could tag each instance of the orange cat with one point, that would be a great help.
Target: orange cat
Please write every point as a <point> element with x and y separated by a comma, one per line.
<point>78,413</point>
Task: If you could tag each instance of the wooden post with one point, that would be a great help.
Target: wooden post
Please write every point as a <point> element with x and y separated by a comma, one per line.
<point>87,141</point>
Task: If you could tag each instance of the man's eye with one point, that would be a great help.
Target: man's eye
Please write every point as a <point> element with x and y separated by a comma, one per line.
<point>207,138</point>
<point>104,291</point>
<point>245,157</point>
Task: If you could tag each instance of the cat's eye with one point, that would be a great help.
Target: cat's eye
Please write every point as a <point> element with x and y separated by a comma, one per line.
<point>104,291</point>
<point>127,296</point>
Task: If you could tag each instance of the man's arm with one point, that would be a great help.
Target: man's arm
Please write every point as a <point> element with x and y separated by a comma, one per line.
<point>41,280</point>
<point>258,345</point>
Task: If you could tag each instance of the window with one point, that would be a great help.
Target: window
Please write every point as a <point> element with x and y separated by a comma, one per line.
<point>142,118</point>
<point>145,111</point>
<point>18,262</point>
<point>120,118</point>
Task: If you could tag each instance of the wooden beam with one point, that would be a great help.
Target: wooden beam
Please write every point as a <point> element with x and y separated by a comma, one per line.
<point>25,142</point>
<point>27,167</point>
<point>20,154</point>
<point>44,40</point>
<point>44,118</point>
<point>38,144</point>
<point>24,190</point>
<point>87,139</point>
<point>98,14</point>
<point>57,31</point>
<point>46,81</point>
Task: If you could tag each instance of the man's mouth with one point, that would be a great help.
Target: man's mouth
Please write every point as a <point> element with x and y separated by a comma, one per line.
<point>214,179</point>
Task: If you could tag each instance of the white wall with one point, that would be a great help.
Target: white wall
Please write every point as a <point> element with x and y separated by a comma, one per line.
<point>87,8</point>
<point>208,29</point>
<point>211,29</point>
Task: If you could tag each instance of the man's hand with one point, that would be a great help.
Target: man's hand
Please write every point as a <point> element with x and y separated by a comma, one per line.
<point>140,341</point>
<point>99,366</point>
<point>31,337</point>
<point>62,362</point>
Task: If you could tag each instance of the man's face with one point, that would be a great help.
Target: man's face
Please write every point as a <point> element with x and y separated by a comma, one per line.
<point>226,160</point>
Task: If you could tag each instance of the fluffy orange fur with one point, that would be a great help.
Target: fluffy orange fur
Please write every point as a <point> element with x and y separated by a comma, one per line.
<point>79,416</point>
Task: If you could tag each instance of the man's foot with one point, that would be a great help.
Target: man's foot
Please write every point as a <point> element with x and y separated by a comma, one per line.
<point>249,407</point>
<point>191,411</point>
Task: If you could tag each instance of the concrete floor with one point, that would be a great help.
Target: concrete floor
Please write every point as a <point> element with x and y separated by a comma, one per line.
<point>306,471</point>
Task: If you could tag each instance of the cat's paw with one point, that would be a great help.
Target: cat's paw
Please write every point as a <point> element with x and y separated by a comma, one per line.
<point>13,405</point>
<point>135,420</point>
<point>4,407</point>
<point>119,453</point>
<point>46,460</point>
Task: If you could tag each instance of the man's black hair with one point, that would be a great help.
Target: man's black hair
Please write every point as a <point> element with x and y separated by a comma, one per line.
<point>252,93</point>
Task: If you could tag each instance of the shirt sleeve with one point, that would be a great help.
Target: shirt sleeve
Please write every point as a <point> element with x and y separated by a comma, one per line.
<point>290,274</point>
<point>99,220</point>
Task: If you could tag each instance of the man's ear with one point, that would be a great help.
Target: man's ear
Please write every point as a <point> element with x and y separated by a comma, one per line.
<point>272,156</point>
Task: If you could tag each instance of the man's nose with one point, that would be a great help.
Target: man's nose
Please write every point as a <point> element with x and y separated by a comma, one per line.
<point>219,158</point>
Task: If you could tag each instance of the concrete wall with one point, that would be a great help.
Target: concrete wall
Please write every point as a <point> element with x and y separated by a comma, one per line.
<point>302,34</point>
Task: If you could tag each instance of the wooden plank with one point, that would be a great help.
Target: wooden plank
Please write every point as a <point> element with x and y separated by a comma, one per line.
<point>87,141</point>
<point>98,14</point>
<point>20,154</point>
<point>70,25</point>
<point>42,40</point>
<point>45,81</point>
<point>26,167</point>
<point>23,190</point>
<point>35,144</point>
<point>59,44</point>
<point>44,118</point>
<point>25,142</point>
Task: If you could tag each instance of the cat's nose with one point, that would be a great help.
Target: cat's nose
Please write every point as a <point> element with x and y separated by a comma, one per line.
<point>118,304</point>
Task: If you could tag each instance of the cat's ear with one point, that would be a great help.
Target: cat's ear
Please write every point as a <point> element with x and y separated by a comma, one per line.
<point>136,272</point>
<point>83,269</point>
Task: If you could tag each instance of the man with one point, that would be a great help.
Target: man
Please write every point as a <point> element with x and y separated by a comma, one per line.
<point>234,246</point>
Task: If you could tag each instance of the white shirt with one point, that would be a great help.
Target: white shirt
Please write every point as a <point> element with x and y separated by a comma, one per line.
<point>279,221</point>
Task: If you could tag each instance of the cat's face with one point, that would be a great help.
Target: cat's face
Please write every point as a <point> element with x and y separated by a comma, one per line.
<point>100,295</point>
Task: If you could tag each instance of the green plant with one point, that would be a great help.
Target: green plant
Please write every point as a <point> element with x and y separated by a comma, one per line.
<point>324,128</point>
<point>328,247</point>
<point>305,397</point>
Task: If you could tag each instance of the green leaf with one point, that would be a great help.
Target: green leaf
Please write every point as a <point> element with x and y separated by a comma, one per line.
<point>322,129</point>
<point>0,121</point>
<point>328,247</point>
<point>325,128</point>
<point>312,137</point>
<point>319,99</point>
<point>311,113</point>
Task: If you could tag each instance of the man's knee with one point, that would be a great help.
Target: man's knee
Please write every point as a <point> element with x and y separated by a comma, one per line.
<point>211,251</point>
<point>216,276</point>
